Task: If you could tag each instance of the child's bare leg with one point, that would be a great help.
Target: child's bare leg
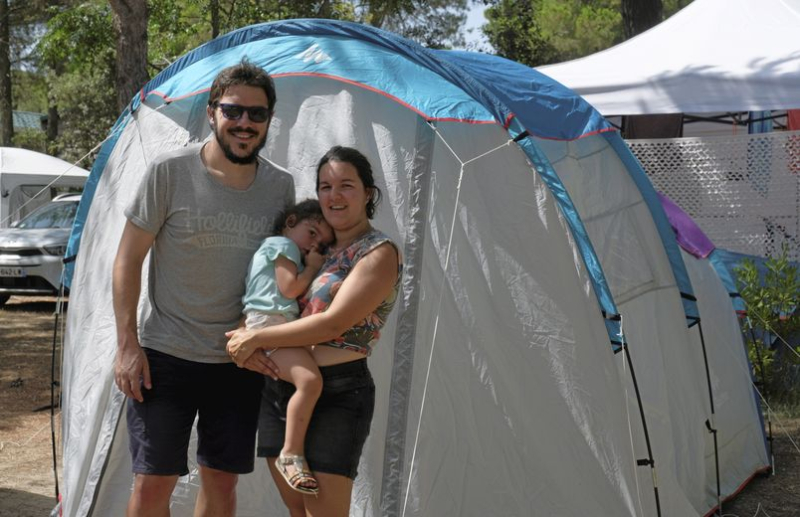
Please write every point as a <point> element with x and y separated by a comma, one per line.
<point>298,367</point>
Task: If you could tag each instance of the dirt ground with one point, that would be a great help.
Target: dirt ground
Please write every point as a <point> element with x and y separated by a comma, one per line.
<point>27,482</point>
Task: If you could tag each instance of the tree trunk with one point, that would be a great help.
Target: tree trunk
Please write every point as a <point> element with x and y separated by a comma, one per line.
<point>637,17</point>
<point>130,25</point>
<point>214,8</point>
<point>53,116</point>
<point>640,15</point>
<point>6,111</point>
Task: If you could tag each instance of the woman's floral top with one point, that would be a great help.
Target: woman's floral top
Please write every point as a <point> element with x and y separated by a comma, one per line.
<point>363,336</point>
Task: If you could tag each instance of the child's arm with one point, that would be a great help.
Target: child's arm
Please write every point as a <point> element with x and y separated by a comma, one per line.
<point>292,284</point>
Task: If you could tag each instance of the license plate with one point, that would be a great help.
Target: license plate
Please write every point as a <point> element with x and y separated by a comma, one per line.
<point>12,271</point>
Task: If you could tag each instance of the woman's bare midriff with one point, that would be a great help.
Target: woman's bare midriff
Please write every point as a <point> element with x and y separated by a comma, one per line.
<point>328,355</point>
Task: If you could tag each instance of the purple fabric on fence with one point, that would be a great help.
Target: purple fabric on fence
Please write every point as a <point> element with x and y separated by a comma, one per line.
<point>690,237</point>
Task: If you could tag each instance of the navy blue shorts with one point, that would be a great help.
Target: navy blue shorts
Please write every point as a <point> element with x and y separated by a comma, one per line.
<point>339,425</point>
<point>225,397</point>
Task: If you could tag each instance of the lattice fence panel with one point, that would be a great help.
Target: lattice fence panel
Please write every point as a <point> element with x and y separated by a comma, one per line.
<point>743,191</point>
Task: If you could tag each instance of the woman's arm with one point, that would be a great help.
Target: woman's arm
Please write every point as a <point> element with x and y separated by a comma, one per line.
<point>369,283</point>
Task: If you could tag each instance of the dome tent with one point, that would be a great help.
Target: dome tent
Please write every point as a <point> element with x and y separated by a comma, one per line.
<point>498,390</point>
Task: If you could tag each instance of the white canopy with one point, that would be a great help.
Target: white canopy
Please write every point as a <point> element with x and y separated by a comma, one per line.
<point>30,163</point>
<point>24,178</point>
<point>713,55</point>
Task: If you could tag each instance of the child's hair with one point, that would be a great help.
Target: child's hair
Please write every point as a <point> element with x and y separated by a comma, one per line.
<point>306,209</point>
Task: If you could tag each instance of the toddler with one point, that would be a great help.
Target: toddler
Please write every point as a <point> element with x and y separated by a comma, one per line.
<point>280,271</point>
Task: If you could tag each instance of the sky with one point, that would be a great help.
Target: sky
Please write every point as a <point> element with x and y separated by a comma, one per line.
<point>475,19</point>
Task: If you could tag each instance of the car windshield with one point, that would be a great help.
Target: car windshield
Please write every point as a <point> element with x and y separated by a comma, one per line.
<point>55,215</point>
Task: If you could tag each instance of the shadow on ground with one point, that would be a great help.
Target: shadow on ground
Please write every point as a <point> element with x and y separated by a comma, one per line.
<point>16,503</point>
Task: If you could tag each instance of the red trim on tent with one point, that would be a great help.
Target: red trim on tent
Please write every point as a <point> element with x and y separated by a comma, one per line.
<point>172,99</point>
<point>506,124</point>
<point>758,472</point>
<point>381,92</point>
<point>511,117</point>
<point>343,80</point>
<point>606,130</point>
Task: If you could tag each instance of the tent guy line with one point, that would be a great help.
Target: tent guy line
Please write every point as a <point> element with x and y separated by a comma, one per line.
<point>780,338</point>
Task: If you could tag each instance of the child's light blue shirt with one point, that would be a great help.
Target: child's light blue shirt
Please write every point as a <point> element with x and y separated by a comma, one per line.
<point>261,286</point>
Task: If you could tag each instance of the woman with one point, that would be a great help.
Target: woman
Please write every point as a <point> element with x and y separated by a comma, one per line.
<point>343,312</point>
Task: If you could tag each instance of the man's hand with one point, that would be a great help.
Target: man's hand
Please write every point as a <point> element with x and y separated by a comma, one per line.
<point>260,362</point>
<point>240,345</point>
<point>131,370</point>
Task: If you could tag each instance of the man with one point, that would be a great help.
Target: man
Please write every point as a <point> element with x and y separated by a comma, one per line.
<point>201,211</point>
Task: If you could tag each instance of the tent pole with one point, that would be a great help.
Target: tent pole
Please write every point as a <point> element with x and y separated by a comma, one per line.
<point>53,384</point>
<point>650,460</point>
<point>711,424</point>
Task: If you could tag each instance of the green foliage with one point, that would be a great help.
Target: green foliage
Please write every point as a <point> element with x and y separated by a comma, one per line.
<point>673,6</point>
<point>33,139</point>
<point>576,29</point>
<point>176,27</point>
<point>431,23</point>
<point>772,309</point>
<point>514,30</point>
<point>540,32</point>
<point>29,91</point>
<point>76,37</point>
<point>87,105</point>
<point>77,50</point>
<point>172,29</point>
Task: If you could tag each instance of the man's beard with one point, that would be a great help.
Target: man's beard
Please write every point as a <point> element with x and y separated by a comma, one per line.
<point>235,158</point>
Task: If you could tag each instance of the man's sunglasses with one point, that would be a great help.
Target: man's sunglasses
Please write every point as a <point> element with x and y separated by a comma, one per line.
<point>257,114</point>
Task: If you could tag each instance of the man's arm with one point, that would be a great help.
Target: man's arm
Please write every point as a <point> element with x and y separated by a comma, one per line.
<point>131,369</point>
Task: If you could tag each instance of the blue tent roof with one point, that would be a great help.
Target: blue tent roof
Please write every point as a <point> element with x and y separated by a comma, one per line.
<point>427,80</point>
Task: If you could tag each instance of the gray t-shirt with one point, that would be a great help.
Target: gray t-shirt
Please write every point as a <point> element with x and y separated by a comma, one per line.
<point>206,234</point>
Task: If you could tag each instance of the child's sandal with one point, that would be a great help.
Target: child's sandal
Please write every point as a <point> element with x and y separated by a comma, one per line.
<point>302,473</point>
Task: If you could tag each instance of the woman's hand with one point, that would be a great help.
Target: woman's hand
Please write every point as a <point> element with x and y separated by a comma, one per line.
<point>241,345</point>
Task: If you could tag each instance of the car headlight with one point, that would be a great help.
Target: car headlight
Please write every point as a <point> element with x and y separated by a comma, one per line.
<point>58,251</point>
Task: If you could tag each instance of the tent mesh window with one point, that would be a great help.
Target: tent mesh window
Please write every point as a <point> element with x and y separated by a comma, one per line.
<point>743,191</point>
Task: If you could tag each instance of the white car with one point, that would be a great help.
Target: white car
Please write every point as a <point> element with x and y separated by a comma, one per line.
<point>32,251</point>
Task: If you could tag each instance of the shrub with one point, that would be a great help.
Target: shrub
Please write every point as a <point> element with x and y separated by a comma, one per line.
<point>771,296</point>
